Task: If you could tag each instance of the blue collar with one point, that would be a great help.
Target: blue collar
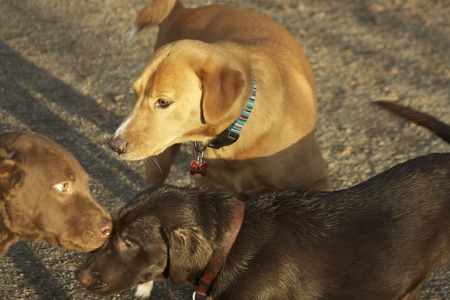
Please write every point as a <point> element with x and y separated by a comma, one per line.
<point>231,134</point>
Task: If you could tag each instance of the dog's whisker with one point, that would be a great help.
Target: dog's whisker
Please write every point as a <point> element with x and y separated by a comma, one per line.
<point>100,153</point>
<point>104,123</point>
<point>90,142</point>
<point>152,161</point>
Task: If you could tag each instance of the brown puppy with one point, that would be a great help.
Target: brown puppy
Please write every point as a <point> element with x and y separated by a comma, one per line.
<point>381,239</point>
<point>44,196</point>
<point>198,83</point>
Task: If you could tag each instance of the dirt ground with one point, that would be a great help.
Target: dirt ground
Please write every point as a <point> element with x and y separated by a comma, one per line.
<point>66,69</point>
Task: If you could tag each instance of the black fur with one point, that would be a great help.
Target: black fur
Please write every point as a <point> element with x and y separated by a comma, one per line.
<point>437,127</point>
<point>381,239</point>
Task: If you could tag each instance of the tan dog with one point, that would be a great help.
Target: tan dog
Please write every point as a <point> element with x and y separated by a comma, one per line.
<point>197,84</point>
<point>45,196</point>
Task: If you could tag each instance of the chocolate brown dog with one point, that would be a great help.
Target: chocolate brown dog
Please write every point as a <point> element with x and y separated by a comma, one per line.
<point>381,239</point>
<point>45,196</point>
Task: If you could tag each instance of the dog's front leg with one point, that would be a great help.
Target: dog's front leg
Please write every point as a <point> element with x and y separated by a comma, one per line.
<point>157,167</point>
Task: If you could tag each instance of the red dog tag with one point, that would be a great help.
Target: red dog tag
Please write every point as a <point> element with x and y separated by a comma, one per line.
<point>198,168</point>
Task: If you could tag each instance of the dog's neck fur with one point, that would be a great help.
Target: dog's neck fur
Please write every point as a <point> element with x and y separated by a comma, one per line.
<point>231,134</point>
<point>219,256</point>
<point>209,233</point>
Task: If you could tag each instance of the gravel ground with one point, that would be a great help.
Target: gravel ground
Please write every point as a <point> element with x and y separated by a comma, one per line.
<point>66,68</point>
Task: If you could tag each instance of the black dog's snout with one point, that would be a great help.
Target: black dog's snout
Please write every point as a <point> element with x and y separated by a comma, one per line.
<point>84,276</point>
<point>118,145</point>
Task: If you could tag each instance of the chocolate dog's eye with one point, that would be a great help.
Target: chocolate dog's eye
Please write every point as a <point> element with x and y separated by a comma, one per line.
<point>163,103</point>
<point>62,187</point>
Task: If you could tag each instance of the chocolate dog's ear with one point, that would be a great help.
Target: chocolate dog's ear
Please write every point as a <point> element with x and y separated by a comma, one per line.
<point>189,252</point>
<point>221,87</point>
<point>9,174</point>
<point>9,170</point>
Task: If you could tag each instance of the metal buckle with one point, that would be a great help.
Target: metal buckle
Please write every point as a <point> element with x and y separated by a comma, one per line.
<point>194,296</point>
<point>226,138</point>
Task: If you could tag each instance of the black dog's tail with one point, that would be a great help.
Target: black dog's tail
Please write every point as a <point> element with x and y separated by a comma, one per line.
<point>437,127</point>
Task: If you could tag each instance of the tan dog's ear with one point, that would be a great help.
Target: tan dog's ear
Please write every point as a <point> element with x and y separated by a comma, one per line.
<point>9,175</point>
<point>189,251</point>
<point>221,87</point>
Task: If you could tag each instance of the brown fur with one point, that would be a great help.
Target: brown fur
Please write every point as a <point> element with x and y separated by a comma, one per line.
<point>44,196</point>
<point>203,65</point>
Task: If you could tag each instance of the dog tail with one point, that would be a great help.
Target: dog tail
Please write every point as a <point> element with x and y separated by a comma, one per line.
<point>154,13</point>
<point>437,127</point>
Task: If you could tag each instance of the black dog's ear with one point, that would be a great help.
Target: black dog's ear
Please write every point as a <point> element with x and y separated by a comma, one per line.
<point>189,252</point>
<point>9,174</point>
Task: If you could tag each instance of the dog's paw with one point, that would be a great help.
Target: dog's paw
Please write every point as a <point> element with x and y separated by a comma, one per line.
<point>144,290</point>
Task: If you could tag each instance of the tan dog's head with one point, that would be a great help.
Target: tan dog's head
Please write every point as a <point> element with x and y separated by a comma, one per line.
<point>45,196</point>
<point>190,91</point>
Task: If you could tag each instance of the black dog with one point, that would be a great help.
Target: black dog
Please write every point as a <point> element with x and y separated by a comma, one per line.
<point>381,239</point>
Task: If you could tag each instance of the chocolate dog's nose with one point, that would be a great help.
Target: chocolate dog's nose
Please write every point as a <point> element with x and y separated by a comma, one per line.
<point>84,276</point>
<point>105,227</point>
<point>118,145</point>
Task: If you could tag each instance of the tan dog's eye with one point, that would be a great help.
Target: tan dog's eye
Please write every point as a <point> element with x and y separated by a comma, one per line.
<point>62,187</point>
<point>163,103</point>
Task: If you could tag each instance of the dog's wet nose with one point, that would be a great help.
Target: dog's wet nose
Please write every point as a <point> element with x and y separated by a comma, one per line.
<point>118,145</point>
<point>84,277</point>
<point>105,227</point>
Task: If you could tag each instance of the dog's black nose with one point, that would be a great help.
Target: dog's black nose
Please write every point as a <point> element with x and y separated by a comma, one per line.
<point>118,145</point>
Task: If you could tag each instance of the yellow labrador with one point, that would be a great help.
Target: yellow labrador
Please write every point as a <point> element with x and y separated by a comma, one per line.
<point>238,85</point>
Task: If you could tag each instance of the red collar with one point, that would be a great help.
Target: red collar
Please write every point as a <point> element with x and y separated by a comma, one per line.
<point>220,254</point>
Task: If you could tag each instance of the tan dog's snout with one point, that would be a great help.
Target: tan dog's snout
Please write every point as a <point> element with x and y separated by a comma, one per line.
<point>118,145</point>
